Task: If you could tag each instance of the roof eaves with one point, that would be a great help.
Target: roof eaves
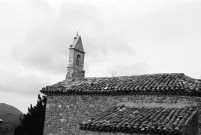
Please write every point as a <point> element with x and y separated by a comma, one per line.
<point>106,121</point>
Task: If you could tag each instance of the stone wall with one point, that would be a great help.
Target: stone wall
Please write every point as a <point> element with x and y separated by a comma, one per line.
<point>64,113</point>
<point>74,73</point>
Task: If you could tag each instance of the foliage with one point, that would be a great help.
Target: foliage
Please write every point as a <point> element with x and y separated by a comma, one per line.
<point>32,123</point>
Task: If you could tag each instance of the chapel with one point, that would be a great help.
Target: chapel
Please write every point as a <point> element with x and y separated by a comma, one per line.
<point>148,104</point>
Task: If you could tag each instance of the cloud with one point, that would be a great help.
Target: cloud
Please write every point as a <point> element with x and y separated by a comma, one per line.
<point>119,37</point>
<point>127,70</point>
<point>26,83</point>
<point>43,47</point>
<point>151,30</point>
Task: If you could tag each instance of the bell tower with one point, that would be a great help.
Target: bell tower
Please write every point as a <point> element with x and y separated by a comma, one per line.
<point>76,59</point>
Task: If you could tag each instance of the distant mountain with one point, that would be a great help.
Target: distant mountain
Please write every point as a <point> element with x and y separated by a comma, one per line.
<point>10,116</point>
<point>5,108</point>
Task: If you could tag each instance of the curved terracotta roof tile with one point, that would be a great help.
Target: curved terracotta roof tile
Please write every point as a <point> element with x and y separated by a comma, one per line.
<point>140,120</point>
<point>150,84</point>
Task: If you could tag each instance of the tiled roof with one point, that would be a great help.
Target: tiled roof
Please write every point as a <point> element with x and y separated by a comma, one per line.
<point>150,84</point>
<point>141,120</point>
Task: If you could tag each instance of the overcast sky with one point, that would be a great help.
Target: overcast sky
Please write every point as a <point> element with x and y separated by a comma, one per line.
<point>120,37</point>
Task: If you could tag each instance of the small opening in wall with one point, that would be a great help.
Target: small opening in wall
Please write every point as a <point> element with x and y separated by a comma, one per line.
<point>78,59</point>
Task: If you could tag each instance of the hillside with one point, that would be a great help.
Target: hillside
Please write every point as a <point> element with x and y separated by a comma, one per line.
<point>10,116</point>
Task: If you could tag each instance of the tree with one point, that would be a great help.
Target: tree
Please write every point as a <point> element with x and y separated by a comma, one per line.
<point>32,123</point>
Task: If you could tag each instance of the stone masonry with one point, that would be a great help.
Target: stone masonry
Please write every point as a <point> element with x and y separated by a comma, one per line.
<point>76,60</point>
<point>77,98</point>
<point>65,113</point>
